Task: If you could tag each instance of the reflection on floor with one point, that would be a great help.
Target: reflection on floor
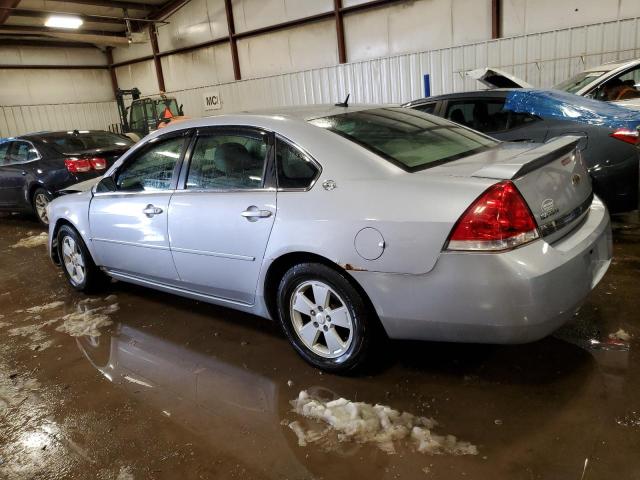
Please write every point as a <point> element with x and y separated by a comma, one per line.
<point>178,389</point>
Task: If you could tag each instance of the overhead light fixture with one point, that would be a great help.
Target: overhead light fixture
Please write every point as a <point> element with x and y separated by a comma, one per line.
<point>63,21</point>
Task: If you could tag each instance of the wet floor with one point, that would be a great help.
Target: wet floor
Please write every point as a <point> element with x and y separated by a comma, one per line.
<point>173,388</point>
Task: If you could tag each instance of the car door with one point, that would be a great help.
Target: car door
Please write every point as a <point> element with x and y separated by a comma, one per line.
<point>128,220</point>
<point>220,221</point>
<point>15,172</point>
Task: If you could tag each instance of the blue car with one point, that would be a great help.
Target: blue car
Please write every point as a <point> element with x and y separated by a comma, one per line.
<point>610,137</point>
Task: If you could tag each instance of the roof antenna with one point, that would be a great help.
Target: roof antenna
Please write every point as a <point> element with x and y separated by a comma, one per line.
<point>344,104</point>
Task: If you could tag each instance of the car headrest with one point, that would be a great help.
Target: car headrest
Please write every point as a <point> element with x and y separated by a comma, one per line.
<point>231,158</point>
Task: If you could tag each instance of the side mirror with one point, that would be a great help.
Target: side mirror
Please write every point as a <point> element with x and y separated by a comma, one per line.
<point>107,184</point>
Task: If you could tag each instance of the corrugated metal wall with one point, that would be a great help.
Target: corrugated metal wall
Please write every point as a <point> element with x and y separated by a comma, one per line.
<point>542,59</point>
<point>21,119</point>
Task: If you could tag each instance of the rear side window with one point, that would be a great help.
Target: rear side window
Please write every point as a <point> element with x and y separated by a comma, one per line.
<point>22,152</point>
<point>484,115</point>
<point>228,161</point>
<point>295,169</point>
<point>408,138</point>
<point>426,107</point>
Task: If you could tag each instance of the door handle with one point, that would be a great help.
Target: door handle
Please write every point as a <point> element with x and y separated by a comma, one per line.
<point>23,173</point>
<point>253,213</point>
<point>151,210</point>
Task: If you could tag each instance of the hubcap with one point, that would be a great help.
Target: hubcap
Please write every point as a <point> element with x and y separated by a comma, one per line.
<point>41,202</point>
<point>321,319</point>
<point>73,260</point>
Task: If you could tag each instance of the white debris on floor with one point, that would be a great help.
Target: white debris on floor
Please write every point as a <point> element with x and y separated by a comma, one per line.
<point>45,307</point>
<point>88,320</point>
<point>360,422</point>
<point>32,241</point>
<point>621,335</point>
<point>125,474</point>
<point>15,389</point>
<point>91,314</point>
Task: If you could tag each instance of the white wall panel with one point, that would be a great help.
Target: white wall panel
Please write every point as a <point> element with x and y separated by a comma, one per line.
<point>293,49</point>
<point>253,14</point>
<point>34,87</point>
<point>541,59</point>
<point>19,120</point>
<point>197,22</point>
<point>132,51</point>
<point>23,55</point>
<point>141,75</point>
<point>419,25</point>
<point>528,16</point>
<point>205,66</point>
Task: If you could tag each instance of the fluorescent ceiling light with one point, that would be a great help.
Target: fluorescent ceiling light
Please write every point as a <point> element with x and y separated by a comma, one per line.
<point>60,21</point>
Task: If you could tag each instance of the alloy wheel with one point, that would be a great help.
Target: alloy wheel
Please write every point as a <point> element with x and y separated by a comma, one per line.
<point>321,319</point>
<point>73,260</point>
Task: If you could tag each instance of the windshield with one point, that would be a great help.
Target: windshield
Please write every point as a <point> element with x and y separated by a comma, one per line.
<point>579,81</point>
<point>410,139</point>
<point>69,142</point>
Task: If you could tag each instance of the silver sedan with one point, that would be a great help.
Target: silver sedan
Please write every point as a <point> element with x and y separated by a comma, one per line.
<point>347,225</point>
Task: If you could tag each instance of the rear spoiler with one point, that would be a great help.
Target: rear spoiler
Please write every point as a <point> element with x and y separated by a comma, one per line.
<point>530,159</point>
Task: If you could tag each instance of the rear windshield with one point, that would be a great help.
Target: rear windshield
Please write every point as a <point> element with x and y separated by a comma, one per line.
<point>410,139</point>
<point>578,81</point>
<point>64,142</point>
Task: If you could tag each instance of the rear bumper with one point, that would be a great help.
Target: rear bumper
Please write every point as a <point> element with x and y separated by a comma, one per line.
<point>513,297</point>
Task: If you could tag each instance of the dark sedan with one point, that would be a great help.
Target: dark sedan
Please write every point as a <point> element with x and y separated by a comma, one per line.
<point>610,145</point>
<point>34,168</point>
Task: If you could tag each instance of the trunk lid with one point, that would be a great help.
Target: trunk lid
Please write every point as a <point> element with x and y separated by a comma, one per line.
<point>496,78</point>
<point>551,177</point>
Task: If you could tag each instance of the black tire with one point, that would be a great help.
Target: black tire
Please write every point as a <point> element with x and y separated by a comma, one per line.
<point>365,331</point>
<point>93,279</point>
<point>40,195</point>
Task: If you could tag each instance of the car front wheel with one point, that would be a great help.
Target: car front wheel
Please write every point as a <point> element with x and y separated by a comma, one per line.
<point>77,264</point>
<point>325,317</point>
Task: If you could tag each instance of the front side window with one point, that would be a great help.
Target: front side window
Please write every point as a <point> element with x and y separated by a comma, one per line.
<point>228,160</point>
<point>294,168</point>
<point>153,168</point>
<point>624,86</point>
<point>408,138</point>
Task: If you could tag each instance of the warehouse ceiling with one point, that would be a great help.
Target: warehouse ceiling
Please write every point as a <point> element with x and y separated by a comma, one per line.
<point>104,22</point>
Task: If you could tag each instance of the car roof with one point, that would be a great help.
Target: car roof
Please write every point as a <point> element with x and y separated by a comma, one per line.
<point>609,66</point>
<point>493,92</point>
<point>310,112</point>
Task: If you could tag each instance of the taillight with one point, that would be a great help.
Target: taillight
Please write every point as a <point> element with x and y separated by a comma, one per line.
<point>81,165</point>
<point>77,165</point>
<point>98,163</point>
<point>499,220</point>
<point>626,135</point>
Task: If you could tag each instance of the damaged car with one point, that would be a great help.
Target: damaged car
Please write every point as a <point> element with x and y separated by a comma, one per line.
<point>346,225</point>
<point>609,137</point>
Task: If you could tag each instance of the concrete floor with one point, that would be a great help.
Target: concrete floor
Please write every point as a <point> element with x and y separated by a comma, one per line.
<point>179,389</point>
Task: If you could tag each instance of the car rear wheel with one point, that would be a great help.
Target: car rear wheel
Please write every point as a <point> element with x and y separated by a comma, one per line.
<point>40,200</point>
<point>325,317</point>
<point>77,264</point>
